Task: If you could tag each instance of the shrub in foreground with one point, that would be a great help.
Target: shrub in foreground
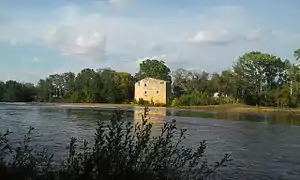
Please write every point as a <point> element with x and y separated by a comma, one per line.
<point>121,151</point>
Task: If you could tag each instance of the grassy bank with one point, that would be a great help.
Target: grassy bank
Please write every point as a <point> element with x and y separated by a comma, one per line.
<point>241,108</point>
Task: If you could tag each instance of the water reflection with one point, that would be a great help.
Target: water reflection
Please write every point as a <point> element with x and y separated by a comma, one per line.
<point>275,118</point>
<point>156,117</point>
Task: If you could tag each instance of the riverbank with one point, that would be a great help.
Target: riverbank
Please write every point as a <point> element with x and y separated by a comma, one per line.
<point>240,108</point>
<point>233,108</point>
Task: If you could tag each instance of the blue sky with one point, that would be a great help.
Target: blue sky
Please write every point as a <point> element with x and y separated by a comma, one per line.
<point>39,38</point>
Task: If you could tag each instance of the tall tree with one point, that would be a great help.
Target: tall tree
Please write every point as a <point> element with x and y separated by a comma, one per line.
<point>1,90</point>
<point>297,54</point>
<point>84,83</point>
<point>181,79</point>
<point>68,86</point>
<point>45,90</point>
<point>256,73</point>
<point>155,69</point>
<point>126,86</point>
<point>227,83</point>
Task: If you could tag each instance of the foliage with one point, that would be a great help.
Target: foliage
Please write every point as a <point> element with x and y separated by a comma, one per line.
<point>142,102</point>
<point>297,54</point>
<point>194,99</point>
<point>12,91</point>
<point>88,86</point>
<point>120,150</point>
<point>154,69</point>
<point>226,100</point>
<point>257,73</point>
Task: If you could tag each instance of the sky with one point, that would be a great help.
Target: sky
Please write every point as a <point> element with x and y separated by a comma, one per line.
<point>39,38</point>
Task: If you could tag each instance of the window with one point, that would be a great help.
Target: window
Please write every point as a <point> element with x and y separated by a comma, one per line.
<point>145,85</point>
<point>162,82</point>
<point>145,92</point>
<point>157,92</point>
<point>138,83</point>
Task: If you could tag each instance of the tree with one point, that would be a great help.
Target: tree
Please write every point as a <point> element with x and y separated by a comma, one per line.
<point>27,92</point>
<point>227,83</point>
<point>68,86</point>
<point>1,90</point>
<point>126,86</point>
<point>110,90</point>
<point>13,91</point>
<point>257,73</point>
<point>186,82</point>
<point>214,83</point>
<point>45,90</point>
<point>297,54</point>
<point>83,86</point>
<point>181,77</point>
<point>154,69</point>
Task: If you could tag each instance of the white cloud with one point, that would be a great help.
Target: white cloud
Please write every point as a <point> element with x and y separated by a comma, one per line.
<point>120,3</point>
<point>36,60</point>
<point>215,37</point>
<point>77,34</point>
<point>220,26</point>
<point>254,34</point>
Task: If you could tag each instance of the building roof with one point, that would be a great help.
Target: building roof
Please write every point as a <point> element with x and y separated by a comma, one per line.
<point>151,79</point>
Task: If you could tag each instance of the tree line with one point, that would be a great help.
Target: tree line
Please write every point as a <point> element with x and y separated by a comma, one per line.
<point>256,78</point>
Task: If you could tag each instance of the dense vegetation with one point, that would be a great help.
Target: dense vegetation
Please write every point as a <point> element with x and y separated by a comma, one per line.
<point>121,151</point>
<point>255,79</point>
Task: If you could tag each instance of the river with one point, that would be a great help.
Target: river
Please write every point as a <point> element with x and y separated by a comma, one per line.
<point>262,147</point>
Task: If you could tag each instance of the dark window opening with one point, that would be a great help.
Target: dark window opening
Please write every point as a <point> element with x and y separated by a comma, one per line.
<point>145,84</point>
<point>157,92</point>
<point>145,92</point>
<point>161,82</point>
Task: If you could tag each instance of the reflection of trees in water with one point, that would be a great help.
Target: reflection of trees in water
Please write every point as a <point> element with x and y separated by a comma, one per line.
<point>156,117</point>
<point>273,118</point>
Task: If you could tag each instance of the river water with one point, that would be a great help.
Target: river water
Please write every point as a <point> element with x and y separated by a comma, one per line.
<point>262,147</point>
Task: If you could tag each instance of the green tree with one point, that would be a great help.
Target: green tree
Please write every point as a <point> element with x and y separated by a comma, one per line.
<point>28,93</point>
<point>44,90</point>
<point>83,85</point>
<point>214,83</point>
<point>68,85</point>
<point>227,83</point>
<point>297,54</point>
<point>111,90</point>
<point>1,90</point>
<point>181,78</point>
<point>186,82</point>
<point>257,73</point>
<point>13,91</point>
<point>154,69</point>
<point>126,86</point>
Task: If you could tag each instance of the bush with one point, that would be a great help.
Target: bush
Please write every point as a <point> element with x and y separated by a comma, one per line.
<point>121,151</point>
<point>143,102</point>
<point>226,100</point>
<point>194,99</point>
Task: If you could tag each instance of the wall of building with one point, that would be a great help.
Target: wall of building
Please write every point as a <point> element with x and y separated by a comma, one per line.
<point>151,90</point>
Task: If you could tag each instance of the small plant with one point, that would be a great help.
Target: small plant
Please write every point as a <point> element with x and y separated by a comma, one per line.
<point>120,151</point>
<point>143,102</point>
